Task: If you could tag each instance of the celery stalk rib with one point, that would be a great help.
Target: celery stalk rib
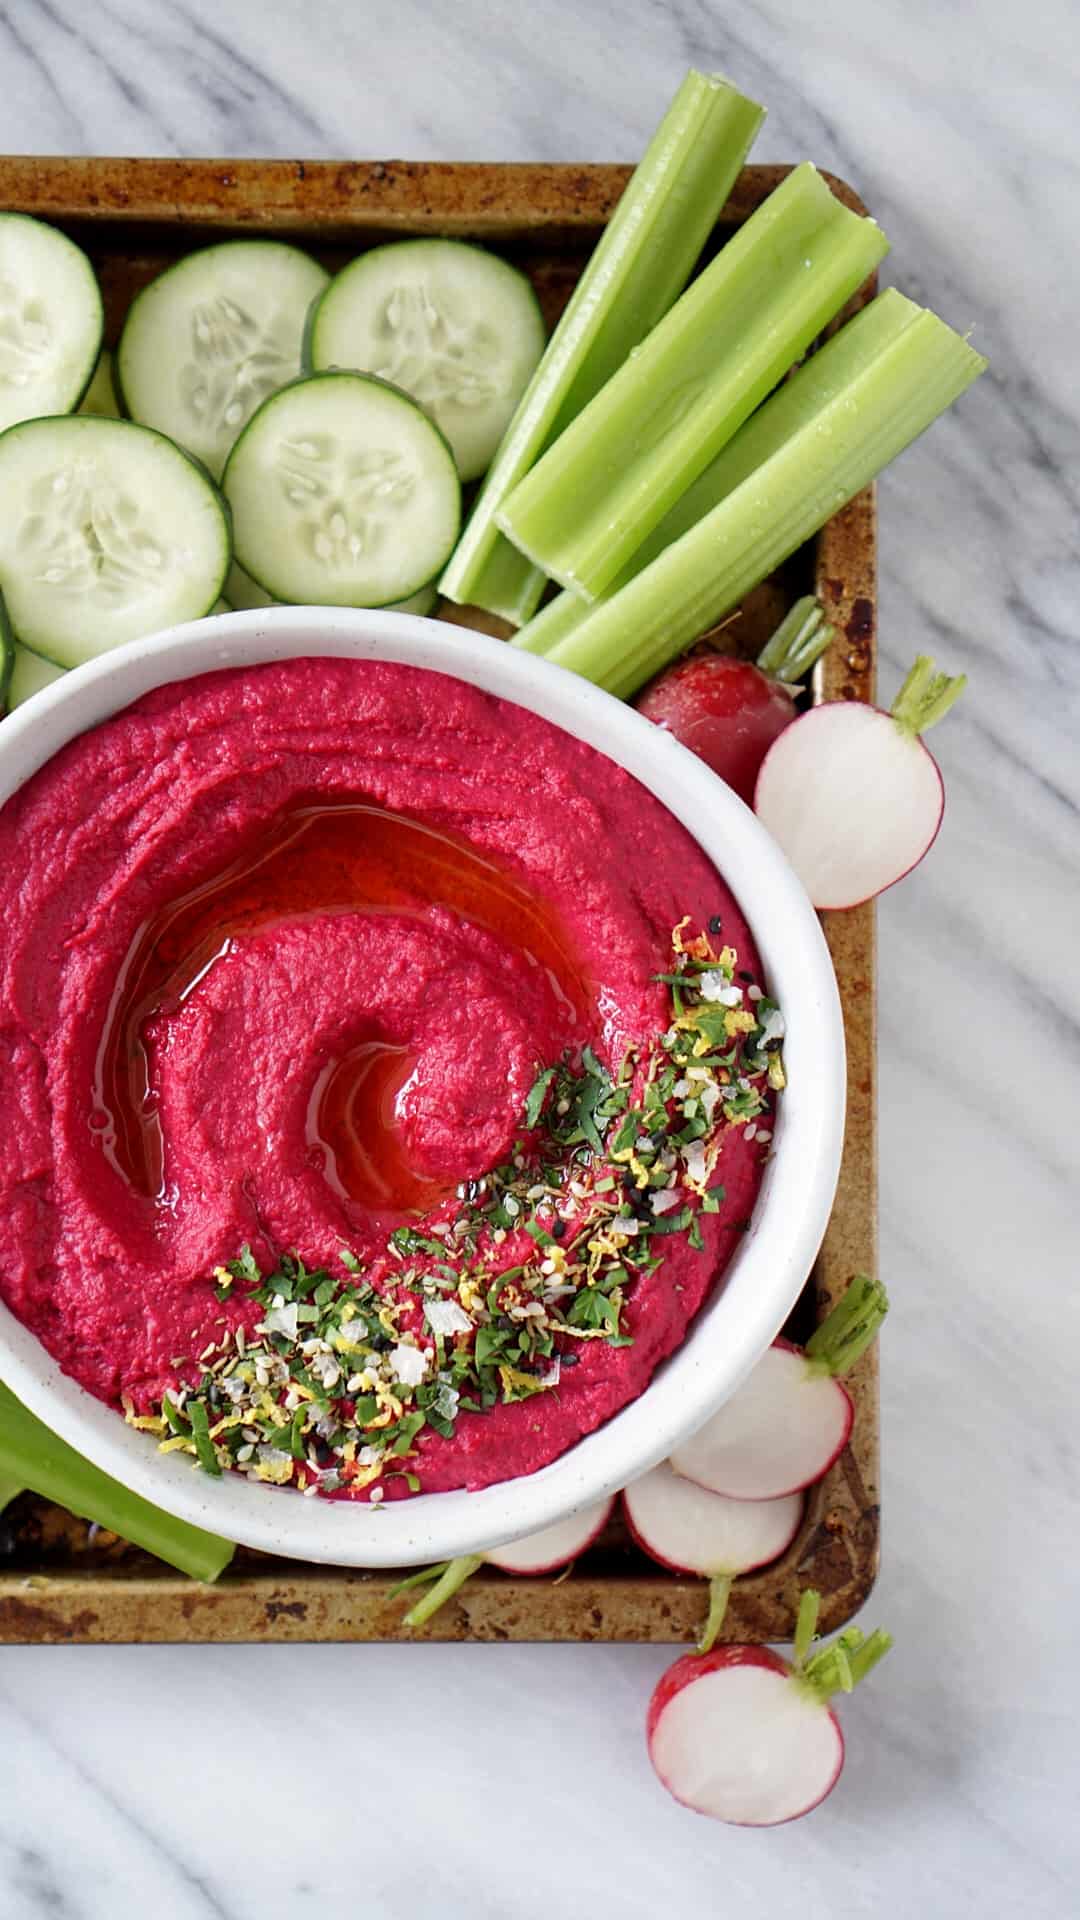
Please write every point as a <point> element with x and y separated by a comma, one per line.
<point>824,376</point>
<point>608,481</point>
<point>10,1489</point>
<point>826,453</point>
<point>32,1456</point>
<point>639,267</point>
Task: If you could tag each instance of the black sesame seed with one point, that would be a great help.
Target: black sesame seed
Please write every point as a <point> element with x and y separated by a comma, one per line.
<point>558,1229</point>
<point>715,924</point>
<point>569,1359</point>
<point>748,977</point>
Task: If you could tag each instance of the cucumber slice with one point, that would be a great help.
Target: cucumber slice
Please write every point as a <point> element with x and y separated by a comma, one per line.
<point>421,602</point>
<point>452,325</point>
<point>343,493</point>
<point>51,320</point>
<point>241,591</point>
<point>101,396</point>
<point>29,675</point>
<point>207,341</point>
<point>107,532</point>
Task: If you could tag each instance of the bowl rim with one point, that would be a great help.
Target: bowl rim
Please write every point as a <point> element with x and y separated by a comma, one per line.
<point>767,1272</point>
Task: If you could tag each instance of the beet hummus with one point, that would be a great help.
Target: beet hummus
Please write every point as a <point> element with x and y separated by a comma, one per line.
<point>388,1076</point>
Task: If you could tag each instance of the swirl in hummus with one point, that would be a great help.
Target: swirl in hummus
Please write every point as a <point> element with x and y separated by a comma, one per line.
<point>369,1128</point>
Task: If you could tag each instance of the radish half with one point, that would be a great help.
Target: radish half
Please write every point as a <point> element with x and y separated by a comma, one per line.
<point>554,1546</point>
<point>744,1736</point>
<point>541,1552</point>
<point>791,1418</point>
<point>852,795</point>
<point>692,1531</point>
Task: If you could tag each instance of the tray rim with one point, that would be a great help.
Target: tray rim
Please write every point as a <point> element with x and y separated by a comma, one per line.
<point>514,202</point>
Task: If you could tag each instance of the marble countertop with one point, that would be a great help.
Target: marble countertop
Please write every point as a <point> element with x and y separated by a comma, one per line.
<point>525,1791</point>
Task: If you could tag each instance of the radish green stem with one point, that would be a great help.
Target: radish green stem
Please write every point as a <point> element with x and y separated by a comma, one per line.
<point>848,1329</point>
<point>799,640</point>
<point>641,264</point>
<point>453,1576</point>
<point>829,449</point>
<point>40,1460</point>
<point>925,697</point>
<point>419,1579</point>
<point>838,1666</point>
<point>719,1591</point>
<point>806,1624</point>
<point>585,508</point>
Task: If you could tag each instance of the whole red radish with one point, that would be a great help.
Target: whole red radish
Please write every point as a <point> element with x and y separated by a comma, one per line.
<point>744,1736</point>
<point>729,711</point>
<point>692,1531</point>
<point>851,793</point>
<point>542,1552</point>
<point>790,1419</point>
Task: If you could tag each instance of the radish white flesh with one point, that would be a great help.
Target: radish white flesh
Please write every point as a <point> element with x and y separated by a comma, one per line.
<point>740,1742</point>
<point>781,1431</point>
<point>744,1736</point>
<point>539,1552</point>
<point>791,1418</point>
<point>852,795</point>
<point>553,1546</point>
<point>692,1531</point>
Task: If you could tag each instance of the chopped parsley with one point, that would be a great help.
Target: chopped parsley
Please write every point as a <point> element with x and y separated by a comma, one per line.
<point>328,1377</point>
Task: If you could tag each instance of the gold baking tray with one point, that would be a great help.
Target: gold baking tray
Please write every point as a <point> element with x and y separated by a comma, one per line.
<point>61,1581</point>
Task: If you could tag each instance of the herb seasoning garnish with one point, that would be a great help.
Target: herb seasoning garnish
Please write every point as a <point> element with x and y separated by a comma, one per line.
<point>331,1388</point>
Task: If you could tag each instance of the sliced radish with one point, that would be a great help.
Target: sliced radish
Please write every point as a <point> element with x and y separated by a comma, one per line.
<point>692,1531</point>
<point>852,795</point>
<point>554,1546</point>
<point>729,711</point>
<point>744,1736</point>
<point>537,1553</point>
<point>791,1418</point>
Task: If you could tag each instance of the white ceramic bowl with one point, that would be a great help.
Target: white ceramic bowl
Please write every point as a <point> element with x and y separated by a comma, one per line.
<point>767,1273</point>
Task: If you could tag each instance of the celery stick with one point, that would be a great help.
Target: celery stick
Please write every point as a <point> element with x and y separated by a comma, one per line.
<point>641,264</point>
<point>34,1457</point>
<point>609,480</point>
<point>829,449</point>
<point>819,379</point>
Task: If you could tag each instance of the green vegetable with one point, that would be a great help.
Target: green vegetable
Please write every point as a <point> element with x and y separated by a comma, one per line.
<point>642,262</point>
<point>537,1093</point>
<point>803,455</point>
<point>925,697</point>
<point>838,1665</point>
<point>851,352</point>
<point>452,1575</point>
<point>585,509</point>
<point>851,1326</point>
<point>34,1457</point>
<point>10,1489</point>
<point>799,640</point>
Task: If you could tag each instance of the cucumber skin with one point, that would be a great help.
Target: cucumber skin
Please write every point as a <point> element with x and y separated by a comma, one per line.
<point>33,221</point>
<point>7,656</point>
<point>91,420</point>
<point>376,380</point>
